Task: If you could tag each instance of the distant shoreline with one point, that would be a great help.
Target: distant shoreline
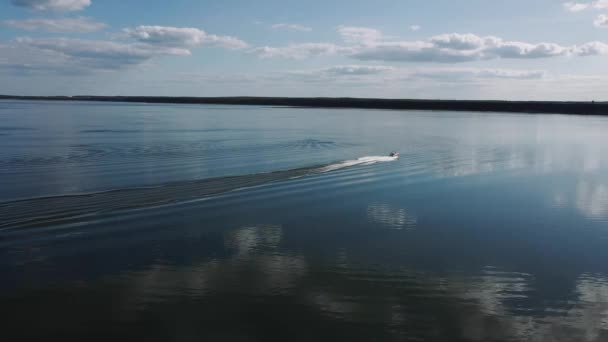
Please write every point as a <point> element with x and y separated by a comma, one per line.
<point>546,107</point>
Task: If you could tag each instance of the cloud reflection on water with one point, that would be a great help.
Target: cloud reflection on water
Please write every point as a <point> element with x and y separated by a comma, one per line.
<point>592,199</point>
<point>391,217</point>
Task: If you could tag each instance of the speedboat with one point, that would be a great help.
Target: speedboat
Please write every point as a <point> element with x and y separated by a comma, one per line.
<point>394,154</point>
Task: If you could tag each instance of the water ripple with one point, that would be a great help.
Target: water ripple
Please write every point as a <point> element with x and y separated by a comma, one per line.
<point>45,211</point>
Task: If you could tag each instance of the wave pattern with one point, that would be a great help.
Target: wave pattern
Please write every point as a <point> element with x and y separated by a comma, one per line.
<point>14,128</point>
<point>360,161</point>
<point>313,144</point>
<point>88,153</point>
<point>460,239</point>
<point>113,153</point>
<point>46,211</point>
<point>166,131</point>
<point>391,217</point>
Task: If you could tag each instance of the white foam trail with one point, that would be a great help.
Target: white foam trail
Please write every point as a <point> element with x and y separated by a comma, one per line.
<point>369,160</point>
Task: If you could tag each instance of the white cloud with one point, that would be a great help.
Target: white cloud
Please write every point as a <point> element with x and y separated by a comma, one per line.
<point>581,6</point>
<point>299,51</point>
<point>575,6</point>
<point>57,25</point>
<point>292,27</point>
<point>415,28</point>
<point>21,59</point>
<point>143,44</point>
<point>185,37</point>
<point>53,5</point>
<point>95,54</point>
<point>591,49</point>
<point>459,74</point>
<point>358,69</point>
<point>591,199</point>
<point>523,50</point>
<point>359,35</point>
<point>384,75</point>
<point>364,75</point>
<point>458,41</point>
<point>371,45</point>
<point>454,48</point>
<point>446,74</point>
<point>601,21</point>
<point>412,52</point>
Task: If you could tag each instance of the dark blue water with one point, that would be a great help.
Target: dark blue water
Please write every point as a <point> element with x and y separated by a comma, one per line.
<point>167,222</point>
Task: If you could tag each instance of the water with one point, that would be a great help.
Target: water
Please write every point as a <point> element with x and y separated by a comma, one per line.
<point>178,222</point>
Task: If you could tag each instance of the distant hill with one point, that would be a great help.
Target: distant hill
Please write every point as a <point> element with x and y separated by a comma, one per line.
<point>581,108</point>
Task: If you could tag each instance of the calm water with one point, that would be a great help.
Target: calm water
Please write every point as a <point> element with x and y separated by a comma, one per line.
<point>219,223</point>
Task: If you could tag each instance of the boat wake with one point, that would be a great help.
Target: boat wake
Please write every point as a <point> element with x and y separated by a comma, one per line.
<point>68,209</point>
<point>356,162</point>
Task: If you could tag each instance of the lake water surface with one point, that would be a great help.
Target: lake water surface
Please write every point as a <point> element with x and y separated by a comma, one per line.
<point>227,223</point>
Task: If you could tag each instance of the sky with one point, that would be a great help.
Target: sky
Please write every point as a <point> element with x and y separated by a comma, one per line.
<point>432,49</point>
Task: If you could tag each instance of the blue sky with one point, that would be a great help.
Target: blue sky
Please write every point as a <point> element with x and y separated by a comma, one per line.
<point>470,49</point>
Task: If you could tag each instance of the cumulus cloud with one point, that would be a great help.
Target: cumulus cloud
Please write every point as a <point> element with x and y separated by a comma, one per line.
<point>131,47</point>
<point>81,25</point>
<point>367,44</point>
<point>581,6</point>
<point>412,52</point>
<point>300,51</point>
<point>186,37</point>
<point>19,59</point>
<point>353,36</point>
<point>575,6</point>
<point>53,5</point>
<point>601,21</point>
<point>461,41</point>
<point>524,50</point>
<point>292,27</point>
<point>591,49</point>
<point>454,48</point>
<point>415,28</point>
<point>99,54</point>
<point>510,74</point>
